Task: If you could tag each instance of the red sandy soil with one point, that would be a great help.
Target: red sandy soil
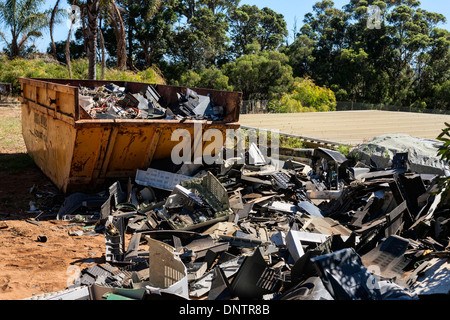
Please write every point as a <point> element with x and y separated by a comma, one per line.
<point>29,267</point>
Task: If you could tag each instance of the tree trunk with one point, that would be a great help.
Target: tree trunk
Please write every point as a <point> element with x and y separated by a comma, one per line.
<point>145,44</point>
<point>84,28</point>
<point>92,29</point>
<point>67,52</point>
<point>130,41</point>
<point>14,47</point>
<point>119,29</point>
<point>102,46</point>
<point>51,23</point>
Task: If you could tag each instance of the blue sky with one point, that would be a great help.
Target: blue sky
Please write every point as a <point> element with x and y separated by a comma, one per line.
<point>292,10</point>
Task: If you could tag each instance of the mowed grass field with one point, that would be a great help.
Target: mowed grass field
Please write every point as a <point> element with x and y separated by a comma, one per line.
<point>349,127</point>
<point>11,140</point>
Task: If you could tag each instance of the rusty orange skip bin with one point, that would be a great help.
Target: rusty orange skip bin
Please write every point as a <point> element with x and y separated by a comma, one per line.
<point>79,153</point>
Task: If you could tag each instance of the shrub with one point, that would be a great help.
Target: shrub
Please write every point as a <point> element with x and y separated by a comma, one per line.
<point>306,97</point>
<point>444,153</point>
<point>48,68</point>
<point>10,70</point>
<point>211,78</point>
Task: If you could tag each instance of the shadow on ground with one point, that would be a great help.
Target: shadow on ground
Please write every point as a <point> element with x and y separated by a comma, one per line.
<point>21,184</point>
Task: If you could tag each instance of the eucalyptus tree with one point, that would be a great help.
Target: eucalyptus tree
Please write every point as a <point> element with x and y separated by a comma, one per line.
<point>200,39</point>
<point>260,75</point>
<point>250,24</point>
<point>149,27</point>
<point>401,58</point>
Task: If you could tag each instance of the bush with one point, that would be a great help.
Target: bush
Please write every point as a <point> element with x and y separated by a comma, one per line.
<point>48,68</point>
<point>10,70</point>
<point>306,97</point>
<point>211,78</point>
<point>291,142</point>
<point>444,154</point>
<point>152,75</point>
<point>263,75</point>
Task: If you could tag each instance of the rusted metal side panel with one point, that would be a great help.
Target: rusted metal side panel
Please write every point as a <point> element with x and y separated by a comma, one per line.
<point>116,148</point>
<point>49,142</point>
<point>61,101</point>
<point>131,146</point>
<point>87,153</point>
<point>134,146</point>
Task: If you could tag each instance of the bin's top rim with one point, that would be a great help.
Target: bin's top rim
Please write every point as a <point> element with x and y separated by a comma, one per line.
<point>117,82</point>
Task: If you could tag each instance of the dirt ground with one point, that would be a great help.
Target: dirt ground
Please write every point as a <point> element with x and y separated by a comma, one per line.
<point>350,127</point>
<point>29,267</point>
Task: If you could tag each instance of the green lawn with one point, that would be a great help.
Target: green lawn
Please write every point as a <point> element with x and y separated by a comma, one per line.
<point>13,153</point>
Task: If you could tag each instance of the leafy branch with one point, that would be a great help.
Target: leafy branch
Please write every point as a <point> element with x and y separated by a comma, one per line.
<point>444,153</point>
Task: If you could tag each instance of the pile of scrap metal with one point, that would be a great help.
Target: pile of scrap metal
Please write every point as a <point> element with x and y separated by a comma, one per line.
<point>111,102</point>
<point>268,230</point>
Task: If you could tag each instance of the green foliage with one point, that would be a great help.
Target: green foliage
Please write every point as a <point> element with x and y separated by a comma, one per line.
<point>189,79</point>
<point>10,70</point>
<point>150,30</point>
<point>300,54</point>
<point>291,142</point>
<point>150,75</point>
<point>244,28</point>
<point>273,29</point>
<point>444,153</point>
<point>265,138</point>
<point>223,45</point>
<point>306,97</point>
<point>24,21</point>
<point>211,78</point>
<point>345,149</point>
<point>76,50</point>
<point>264,74</point>
<point>403,62</point>
<point>203,42</point>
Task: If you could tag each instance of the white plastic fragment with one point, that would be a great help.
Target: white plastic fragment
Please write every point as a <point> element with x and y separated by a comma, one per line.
<point>159,179</point>
<point>168,273</point>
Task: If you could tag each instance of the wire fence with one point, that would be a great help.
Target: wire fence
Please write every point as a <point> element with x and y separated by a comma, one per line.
<point>262,106</point>
<point>255,106</point>
<point>350,105</point>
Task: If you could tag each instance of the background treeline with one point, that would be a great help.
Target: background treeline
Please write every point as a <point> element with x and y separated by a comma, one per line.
<point>220,44</point>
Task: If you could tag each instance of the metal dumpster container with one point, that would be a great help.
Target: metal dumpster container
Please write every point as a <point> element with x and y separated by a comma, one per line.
<point>79,153</point>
